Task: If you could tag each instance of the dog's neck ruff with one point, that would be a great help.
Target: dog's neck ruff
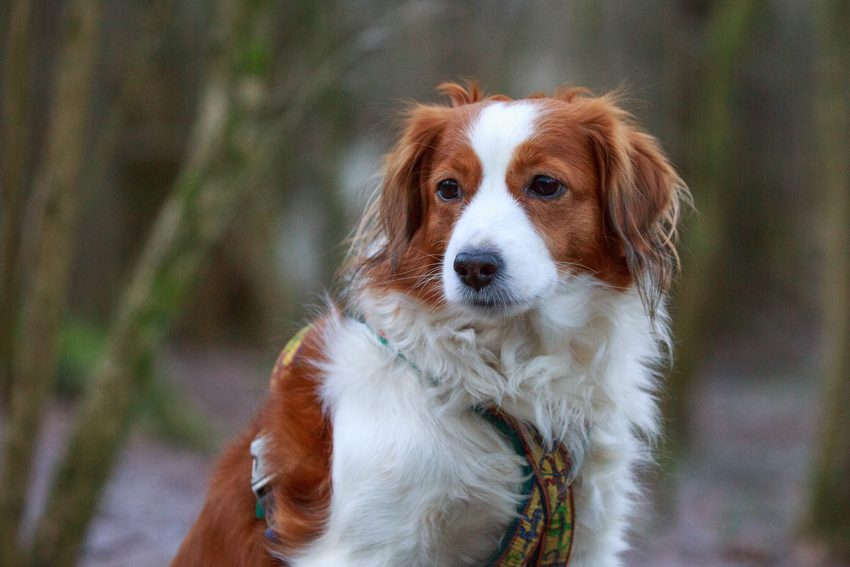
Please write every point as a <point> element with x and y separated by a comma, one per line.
<point>541,534</point>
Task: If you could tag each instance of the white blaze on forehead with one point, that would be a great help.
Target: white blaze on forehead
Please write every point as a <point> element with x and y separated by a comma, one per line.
<point>494,220</point>
<point>500,128</point>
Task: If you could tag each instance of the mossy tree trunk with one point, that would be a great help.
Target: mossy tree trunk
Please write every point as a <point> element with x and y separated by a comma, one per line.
<point>828,519</point>
<point>58,196</point>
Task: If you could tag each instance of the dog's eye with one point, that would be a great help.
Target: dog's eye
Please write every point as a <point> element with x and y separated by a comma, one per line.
<point>448,190</point>
<point>545,186</point>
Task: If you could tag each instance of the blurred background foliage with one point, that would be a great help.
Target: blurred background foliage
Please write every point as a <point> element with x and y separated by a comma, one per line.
<point>223,150</point>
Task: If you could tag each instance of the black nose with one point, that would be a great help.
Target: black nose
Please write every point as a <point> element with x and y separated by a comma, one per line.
<point>477,269</point>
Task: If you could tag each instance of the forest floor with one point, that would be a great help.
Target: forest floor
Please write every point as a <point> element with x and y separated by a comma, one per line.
<point>735,499</point>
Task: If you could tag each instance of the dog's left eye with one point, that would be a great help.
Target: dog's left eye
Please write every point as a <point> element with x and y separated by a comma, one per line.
<point>448,190</point>
<point>545,186</point>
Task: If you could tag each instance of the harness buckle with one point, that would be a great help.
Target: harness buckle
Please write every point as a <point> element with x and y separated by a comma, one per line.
<point>260,477</point>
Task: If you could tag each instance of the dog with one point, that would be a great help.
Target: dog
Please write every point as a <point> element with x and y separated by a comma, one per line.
<point>499,341</point>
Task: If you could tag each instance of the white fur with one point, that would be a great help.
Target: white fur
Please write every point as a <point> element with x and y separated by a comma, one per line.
<point>494,220</point>
<point>421,480</point>
<point>414,482</point>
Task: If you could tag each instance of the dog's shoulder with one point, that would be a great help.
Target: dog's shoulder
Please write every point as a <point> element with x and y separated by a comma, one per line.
<point>297,437</point>
<point>300,440</point>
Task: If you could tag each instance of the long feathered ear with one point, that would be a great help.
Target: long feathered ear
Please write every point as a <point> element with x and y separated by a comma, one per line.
<point>642,195</point>
<point>407,166</point>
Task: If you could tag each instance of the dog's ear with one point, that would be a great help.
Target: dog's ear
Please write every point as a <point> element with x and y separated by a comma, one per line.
<point>407,168</point>
<point>642,196</point>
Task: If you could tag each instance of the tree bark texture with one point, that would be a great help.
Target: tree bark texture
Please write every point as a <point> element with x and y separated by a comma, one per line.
<point>59,198</point>
<point>828,521</point>
<point>14,131</point>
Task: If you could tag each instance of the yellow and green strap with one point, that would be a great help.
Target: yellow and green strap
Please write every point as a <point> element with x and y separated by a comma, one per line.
<point>287,356</point>
<point>542,533</point>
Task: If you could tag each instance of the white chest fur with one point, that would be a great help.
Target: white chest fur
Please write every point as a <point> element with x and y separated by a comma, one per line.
<point>414,482</point>
<point>420,479</point>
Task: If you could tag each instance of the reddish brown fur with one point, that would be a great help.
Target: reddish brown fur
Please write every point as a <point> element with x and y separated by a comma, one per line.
<point>226,533</point>
<point>301,449</point>
<point>573,224</point>
<point>433,146</point>
<point>642,194</point>
<point>615,221</point>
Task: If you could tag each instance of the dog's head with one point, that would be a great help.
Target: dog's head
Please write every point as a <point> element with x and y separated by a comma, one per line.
<point>491,203</point>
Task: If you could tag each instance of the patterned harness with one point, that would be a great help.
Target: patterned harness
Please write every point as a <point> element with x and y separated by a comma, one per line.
<point>541,534</point>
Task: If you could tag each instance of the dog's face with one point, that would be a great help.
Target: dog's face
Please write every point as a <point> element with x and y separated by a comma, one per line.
<point>491,204</point>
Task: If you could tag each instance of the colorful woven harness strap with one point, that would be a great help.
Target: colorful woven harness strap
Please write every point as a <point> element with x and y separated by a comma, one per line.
<point>541,534</point>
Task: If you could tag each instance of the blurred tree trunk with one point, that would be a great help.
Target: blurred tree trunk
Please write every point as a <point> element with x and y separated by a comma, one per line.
<point>231,153</point>
<point>709,141</point>
<point>828,520</point>
<point>202,200</point>
<point>58,195</point>
<point>14,131</point>
<point>708,79</point>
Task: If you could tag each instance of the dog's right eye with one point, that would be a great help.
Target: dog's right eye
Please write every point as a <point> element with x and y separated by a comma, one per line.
<point>448,190</point>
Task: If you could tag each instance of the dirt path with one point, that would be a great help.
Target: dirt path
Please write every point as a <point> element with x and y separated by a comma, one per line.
<point>740,492</point>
